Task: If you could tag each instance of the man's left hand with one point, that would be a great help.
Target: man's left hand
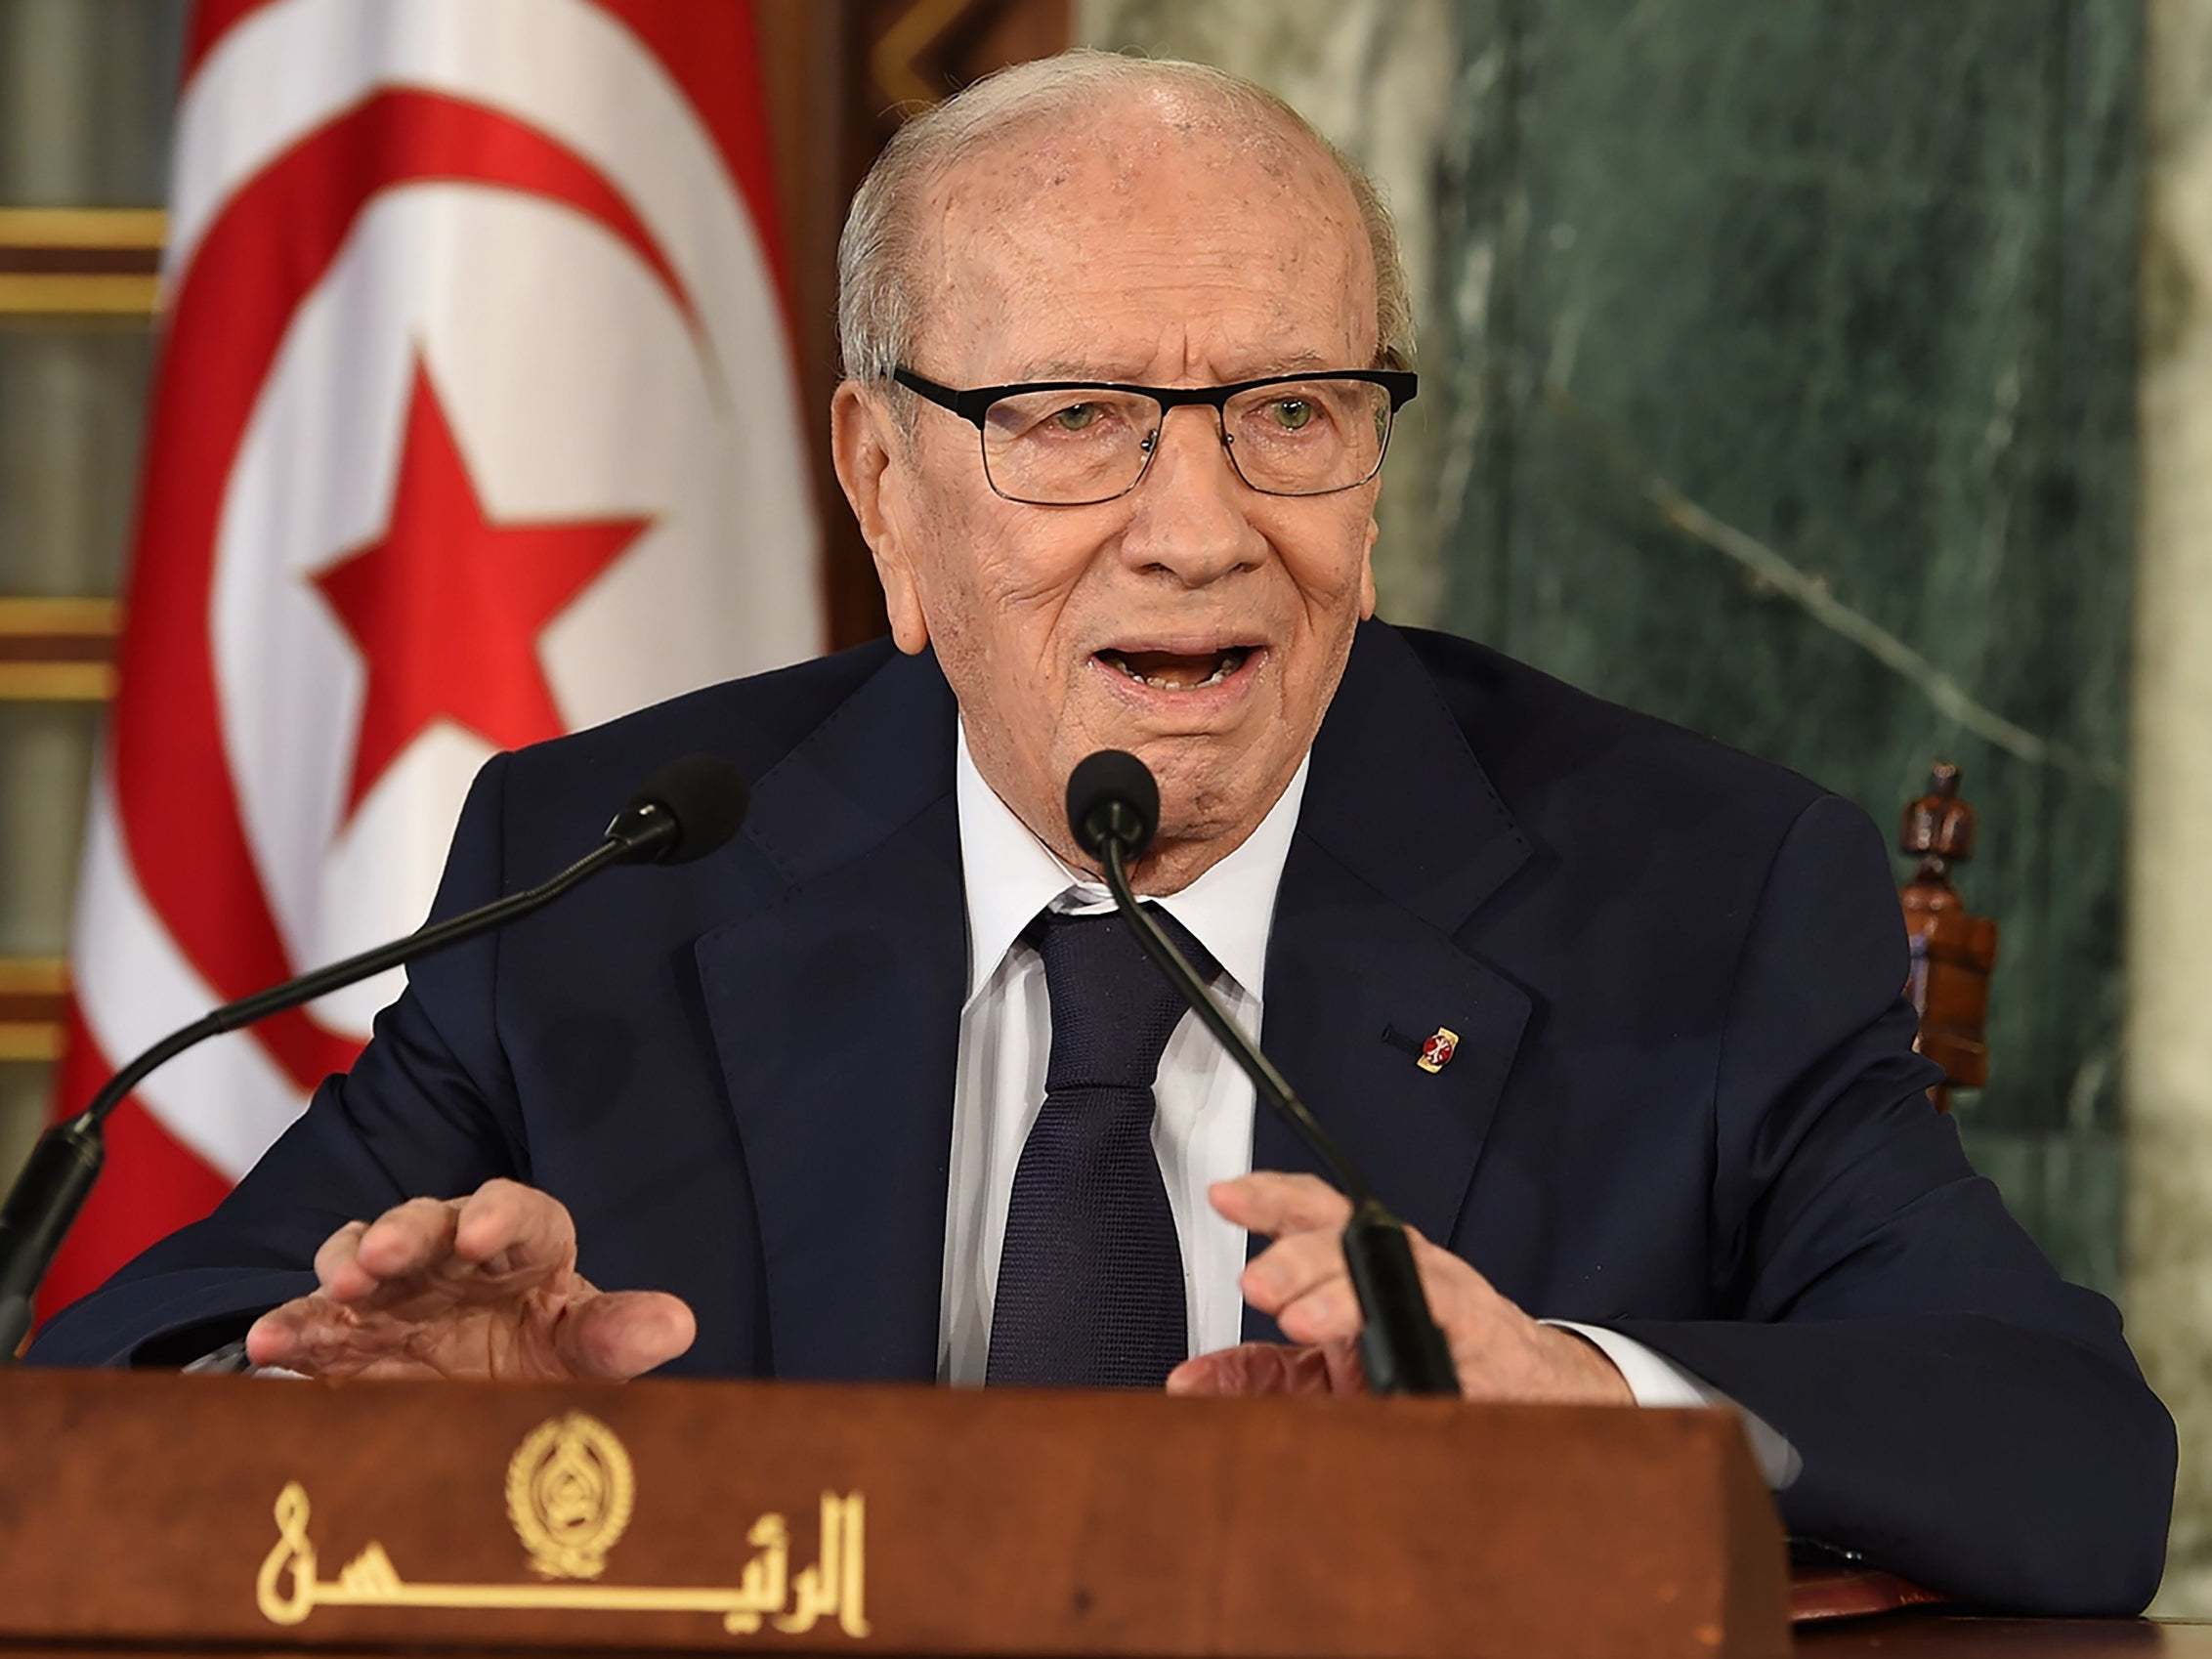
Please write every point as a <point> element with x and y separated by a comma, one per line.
<point>1301,1280</point>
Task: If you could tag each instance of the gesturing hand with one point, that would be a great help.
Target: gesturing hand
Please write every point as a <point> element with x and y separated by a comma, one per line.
<point>1301,1280</point>
<point>478,1287</point>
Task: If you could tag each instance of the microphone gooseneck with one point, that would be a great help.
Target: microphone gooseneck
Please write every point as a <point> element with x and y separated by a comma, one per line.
<point>684,810</point>
<point>1114,811</point>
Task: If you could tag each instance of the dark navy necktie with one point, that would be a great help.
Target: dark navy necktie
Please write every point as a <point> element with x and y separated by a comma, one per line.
<point>1090,1280</point>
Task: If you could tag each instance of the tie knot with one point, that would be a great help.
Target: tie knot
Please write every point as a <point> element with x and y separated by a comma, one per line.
<point>1112,1010</point>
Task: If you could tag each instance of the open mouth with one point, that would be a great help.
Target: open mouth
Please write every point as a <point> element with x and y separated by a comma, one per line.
<point>1168,671</point>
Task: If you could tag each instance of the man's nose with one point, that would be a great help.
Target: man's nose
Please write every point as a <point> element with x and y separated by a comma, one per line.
<point>1189,516</point>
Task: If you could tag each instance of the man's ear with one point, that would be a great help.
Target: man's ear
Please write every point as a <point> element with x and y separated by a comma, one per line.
<point>1366,571</point>
<point>874,468</point>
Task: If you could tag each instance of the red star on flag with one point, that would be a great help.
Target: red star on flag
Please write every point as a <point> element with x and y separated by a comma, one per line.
<point>448,608</point>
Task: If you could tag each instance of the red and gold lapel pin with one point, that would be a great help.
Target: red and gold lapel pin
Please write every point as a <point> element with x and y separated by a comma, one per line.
<point>1430,1053</point>
<point>1436,1051</point>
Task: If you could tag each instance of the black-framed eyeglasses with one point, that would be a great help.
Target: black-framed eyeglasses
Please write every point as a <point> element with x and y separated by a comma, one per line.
<point>1077,443</point>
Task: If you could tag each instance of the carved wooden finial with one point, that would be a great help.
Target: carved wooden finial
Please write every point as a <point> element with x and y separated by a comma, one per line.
<point>1938,828</point>
<point>1952,952</point>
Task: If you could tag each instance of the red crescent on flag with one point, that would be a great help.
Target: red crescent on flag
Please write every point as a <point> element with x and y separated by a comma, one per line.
<point>717,85</point>
<point>212,19</point>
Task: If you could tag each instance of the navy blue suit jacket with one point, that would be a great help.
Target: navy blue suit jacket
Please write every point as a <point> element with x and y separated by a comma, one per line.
<point>1685,1104</point>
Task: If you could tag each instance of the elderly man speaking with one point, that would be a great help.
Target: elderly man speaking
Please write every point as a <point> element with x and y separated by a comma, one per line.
<point>885,1090</point>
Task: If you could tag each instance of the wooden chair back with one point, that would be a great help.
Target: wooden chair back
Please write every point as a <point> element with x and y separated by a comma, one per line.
<point>1953,951</point>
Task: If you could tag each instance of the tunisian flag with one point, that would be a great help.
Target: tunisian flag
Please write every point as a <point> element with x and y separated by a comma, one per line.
<point>475,422</point>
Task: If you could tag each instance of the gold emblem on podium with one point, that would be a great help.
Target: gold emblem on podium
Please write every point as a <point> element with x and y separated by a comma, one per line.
<point>569,1491</point>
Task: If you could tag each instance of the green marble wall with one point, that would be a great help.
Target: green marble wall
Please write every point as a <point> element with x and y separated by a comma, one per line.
<point>1794,345</point>
<point>1780,374</point>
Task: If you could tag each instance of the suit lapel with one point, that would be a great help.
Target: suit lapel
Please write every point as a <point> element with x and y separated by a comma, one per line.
<point>1400,839</point>
<point>836,1012</point>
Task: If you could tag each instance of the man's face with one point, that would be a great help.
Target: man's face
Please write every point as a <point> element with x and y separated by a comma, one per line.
<point>1194,622</point>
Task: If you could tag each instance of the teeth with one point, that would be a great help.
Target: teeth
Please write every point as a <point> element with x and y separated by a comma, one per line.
<point>1231,660</point>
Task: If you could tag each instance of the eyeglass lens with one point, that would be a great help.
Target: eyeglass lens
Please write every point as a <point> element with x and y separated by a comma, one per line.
<point>1068,448</point>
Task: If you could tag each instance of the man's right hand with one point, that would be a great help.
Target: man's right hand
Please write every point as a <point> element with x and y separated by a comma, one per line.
<point>478,1287</point>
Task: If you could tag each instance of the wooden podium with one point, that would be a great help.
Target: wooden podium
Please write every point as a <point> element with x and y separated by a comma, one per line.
<point>246,1513</point>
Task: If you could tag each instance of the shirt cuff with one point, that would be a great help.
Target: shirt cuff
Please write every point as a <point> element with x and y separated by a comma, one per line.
<point>1657,1382</point>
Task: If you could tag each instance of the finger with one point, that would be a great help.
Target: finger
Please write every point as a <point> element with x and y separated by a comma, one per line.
<point>313,1337</point>
<point>1348,1373</point>
<point>337,1267</point>
<point>505,1227</point>
<point>619,1335</point>
<point>1461,1299</point>
<point>1225,1372</point>
<point>1324,1307</point>
<point>1327,1313</point>
<point>1291,1267</point>
<point>407,1239</point>
<point>1273,1204</point>
<point>332,1342</point>
<point>276,1336</point>
<point>316,1337</point>
<point>1437,1259</point>
<point>1251,1368</point>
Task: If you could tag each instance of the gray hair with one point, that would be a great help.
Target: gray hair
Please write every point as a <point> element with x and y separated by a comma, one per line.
<point>876,308</point>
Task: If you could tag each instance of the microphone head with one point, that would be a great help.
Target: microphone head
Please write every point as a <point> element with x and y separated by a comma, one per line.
<point>702,796</point>
<point>1110,779</point>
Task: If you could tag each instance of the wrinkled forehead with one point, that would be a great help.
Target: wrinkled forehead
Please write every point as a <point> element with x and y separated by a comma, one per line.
<point>1108,242</point>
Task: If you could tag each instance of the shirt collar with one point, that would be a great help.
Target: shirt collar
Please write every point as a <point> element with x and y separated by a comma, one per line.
<point>1011,876</point>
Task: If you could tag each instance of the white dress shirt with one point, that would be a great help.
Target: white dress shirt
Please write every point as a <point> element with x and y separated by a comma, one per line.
<point>1202,1131</point>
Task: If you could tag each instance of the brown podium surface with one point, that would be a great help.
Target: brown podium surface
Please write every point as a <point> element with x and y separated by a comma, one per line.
<point>158,1514</point>
<point>230,1511</point>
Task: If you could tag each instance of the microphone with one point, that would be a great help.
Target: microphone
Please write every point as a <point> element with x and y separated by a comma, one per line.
<point>684,810</point>
<point>1114,809</point>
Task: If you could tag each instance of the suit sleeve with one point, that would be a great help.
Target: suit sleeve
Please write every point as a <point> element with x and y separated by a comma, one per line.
<point>427,1110</point>
<point>1966,1417</point>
